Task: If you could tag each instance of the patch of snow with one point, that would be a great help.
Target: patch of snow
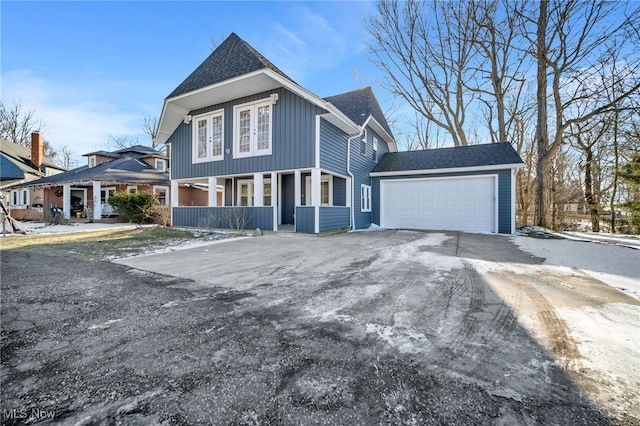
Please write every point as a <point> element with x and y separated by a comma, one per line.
<point>406,340</point>
<point>372,227</point>
<point>42,228</point>
<point>631,241</point>
<point>615,265</point>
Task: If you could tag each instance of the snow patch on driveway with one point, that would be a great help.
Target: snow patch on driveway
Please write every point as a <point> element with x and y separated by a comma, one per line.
<point>614,265</point>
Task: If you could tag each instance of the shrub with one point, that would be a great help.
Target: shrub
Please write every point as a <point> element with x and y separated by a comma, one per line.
<point>136,207</point>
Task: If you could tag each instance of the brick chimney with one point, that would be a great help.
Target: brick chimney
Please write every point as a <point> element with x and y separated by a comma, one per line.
<point>37,150</point>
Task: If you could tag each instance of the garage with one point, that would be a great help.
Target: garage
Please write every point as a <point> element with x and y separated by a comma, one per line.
<point>469,189</point>
<point>455,203</point>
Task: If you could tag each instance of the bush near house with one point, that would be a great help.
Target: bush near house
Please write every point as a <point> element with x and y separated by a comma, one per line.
<point>136,207</point>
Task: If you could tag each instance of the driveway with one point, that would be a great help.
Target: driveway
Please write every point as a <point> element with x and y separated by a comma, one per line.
<point>382,327</point>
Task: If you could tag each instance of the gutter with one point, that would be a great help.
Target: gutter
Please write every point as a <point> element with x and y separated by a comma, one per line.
<point>353,222</point>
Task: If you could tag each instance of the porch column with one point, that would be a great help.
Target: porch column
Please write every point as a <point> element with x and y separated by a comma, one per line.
<point>315,196</point>
<point>97,204</point>
<point>174,193</point>
<point>274,199</point>
<point>296,188</point>
<point>66,201</point>
<point>213,192</point>
<point>258,190</point>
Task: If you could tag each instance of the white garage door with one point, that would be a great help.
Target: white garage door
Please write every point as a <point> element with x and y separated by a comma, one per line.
<point>456,204</point>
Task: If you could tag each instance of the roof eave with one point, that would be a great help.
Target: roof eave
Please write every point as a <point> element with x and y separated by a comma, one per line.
<point>448,170</point>
<point>377,127</point>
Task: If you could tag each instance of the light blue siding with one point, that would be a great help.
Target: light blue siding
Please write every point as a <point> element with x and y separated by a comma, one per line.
<point>293,140</point>
<point>306,219</point>
<point>504,194</point>
<point>257,217</point>
<point>333,217</point>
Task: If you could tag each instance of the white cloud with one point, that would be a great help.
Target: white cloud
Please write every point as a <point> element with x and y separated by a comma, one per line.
<point>78,116</point>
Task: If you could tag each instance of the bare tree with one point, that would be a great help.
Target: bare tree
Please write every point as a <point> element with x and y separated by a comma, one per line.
<point>151,128</point>
<point>425,54</point>
<point>65,155</point>
<point>121,141</point>
<point>16,126</point>
<point>569,36</point>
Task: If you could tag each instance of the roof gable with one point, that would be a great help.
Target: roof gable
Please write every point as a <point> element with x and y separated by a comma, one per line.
<point>21,156</point>
<point>233,58</point>
<point>485,155</point>
<point>359,105</point>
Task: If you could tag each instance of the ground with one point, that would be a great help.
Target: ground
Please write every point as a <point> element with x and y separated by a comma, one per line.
<point>383,327</point>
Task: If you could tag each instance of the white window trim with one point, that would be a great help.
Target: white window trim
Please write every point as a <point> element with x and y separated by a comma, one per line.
<point>253,147</point>
<point>209,116</point>
<point>163,162</point>
<point>365,198</point>
<point>308,191</point>
<point>19,196</point>
<point>106,193</point>
<point>132,187</point>
<point>375,150</point>
<point>166,191</point>
<point>92,161</point>
<point>251,193</point>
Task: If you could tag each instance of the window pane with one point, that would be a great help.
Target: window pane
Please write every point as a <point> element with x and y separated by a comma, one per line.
<point>264,132</point>
<point>324,192</point>
<point>267,194</point>
<point>216,135</point>
<point>245,131</point>
<point>202,139</point>
<point>363,147</point>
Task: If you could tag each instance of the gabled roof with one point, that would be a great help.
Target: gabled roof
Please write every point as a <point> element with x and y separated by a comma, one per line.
<point>235,70</point>
<point>138,151</point>
<point>20,156</point>
<point>233,58</point>
<point>121,170</point>
<point>359,105</point>
<point>489,156</point>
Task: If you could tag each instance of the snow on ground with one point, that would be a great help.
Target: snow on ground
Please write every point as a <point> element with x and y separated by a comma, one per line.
<point>45,228</point>
<point>632,241</point>
<point>616,265</point>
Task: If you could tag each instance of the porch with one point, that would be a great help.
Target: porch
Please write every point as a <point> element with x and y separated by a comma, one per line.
<point>306,200</point>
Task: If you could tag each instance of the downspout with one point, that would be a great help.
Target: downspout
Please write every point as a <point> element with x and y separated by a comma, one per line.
<point>353,222</point>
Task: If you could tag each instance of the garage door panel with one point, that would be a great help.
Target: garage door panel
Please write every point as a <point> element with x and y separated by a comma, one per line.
<point>460,204</point>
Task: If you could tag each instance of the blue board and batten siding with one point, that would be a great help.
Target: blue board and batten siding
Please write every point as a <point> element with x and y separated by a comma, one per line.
<point>504,194</point>
<point>334,217</point>
<point>219,217</point>
<point>306,219</point>
<point>293,140</point>
<point>361,166</point>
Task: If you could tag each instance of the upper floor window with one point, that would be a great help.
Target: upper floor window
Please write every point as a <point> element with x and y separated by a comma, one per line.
<point>363,147</point>
<point>375,150</point>
<point>92,161</point>
<point>252,129</point>
<point>161,164</point>
<point>208,137</point>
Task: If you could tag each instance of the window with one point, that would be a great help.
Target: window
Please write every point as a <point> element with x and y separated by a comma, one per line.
<point>208,137</point>
<point>132,189</point>
<point>365,198</point>
<point>363,147</point>
<point>161,194</point>
<point>326,190</point>
<point>20,198</point>
<point>375,150</point>
<point>105,193</point>
<point>267,192</point>
<point>161,164</point>
<point>92,161</point>
<point>252,125</point>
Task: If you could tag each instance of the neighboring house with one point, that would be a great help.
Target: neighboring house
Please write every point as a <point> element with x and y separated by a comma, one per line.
<point>85,191</point>
<point>19,165</point>
<point>294,160</point>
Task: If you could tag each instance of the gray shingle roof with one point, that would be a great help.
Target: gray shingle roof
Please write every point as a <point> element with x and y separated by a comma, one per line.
<point>233,58</point>
<point>493,154</point>
<point>125,170</point>
<point>21,156</point>
<point>358,105</point>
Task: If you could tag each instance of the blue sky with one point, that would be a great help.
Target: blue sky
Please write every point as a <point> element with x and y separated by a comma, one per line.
<point>91,69</point>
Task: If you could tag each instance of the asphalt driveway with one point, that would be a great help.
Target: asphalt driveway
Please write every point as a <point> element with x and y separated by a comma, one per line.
<point>382,327</point>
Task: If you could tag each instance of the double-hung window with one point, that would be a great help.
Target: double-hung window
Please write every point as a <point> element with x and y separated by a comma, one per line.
<point>375,150</point>
<point>365,198</point>
<point>208,137</point>
<point>252,129</point>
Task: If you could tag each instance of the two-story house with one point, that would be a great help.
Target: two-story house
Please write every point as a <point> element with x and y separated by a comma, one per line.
<point>286,158</point>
